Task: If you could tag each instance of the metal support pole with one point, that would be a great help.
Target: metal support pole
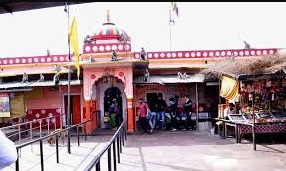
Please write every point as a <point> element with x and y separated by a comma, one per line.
<point>42,155</point>
<point>31,130</point>
<point>170,27</point>
<point>122,136</point>
<point>114,156</point>
<point>17,161</point>
<point>120,142</point>
<point>197,108</point>
<point>77,134</point>
<point>55,124</point>
<point>40,128</point>
<point>49,126</point>
<point>57,148</point>
<point>85,132</point>
<point>98,166</point>
<point>253,126</point>
<point>19,131</point>
<point>69,79</point>
<point>31,134</point>
<point>125,131</point>
<point>118,154</point>
<point>109,158</point>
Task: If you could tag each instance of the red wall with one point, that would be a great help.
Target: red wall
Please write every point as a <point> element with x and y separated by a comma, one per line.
<point>51,99</point>
<point>50,104</point>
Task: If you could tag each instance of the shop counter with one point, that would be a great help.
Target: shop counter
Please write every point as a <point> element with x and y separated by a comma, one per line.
<point>261,128</point>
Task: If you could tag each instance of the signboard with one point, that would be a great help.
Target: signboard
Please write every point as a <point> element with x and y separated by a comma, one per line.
<point>4,105</point>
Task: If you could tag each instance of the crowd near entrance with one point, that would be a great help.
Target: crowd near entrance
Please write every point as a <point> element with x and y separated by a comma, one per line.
<point>167,114</point>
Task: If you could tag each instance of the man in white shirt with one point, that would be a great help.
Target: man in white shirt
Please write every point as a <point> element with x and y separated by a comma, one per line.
<point>8,152</point>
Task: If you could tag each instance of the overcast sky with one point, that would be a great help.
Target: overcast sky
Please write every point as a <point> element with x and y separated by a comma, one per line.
<point>200,26</point>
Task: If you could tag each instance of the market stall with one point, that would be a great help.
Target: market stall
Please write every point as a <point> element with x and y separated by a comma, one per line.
<point>257,88</point>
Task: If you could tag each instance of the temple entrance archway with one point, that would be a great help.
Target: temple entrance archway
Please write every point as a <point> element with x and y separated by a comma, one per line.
<point>104,90</point>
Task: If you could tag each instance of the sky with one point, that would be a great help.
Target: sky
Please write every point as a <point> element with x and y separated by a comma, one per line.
<point>200,26</point>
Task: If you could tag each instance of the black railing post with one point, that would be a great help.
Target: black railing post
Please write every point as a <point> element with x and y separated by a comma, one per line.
<point>125,131</point>
<point>98,166</point>
<point>119,137</point>
<point>122,136</point>
<point>69,142</point>
<point>57,148</point>
<point>120,142</point>
<point>85,131</point>
<point>42,155</point>
<point>17,161</point>
<point>114,156</point>
<point>118,154</point>
<point>77,134</point>
<point>109,158</point>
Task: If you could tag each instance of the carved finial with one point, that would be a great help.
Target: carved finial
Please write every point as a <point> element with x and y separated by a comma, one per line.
<point>108,15</point>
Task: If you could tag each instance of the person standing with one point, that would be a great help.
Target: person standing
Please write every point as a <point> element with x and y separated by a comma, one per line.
<point>173,110</point>
<point>188,111</point>
<point>161,107</point>
<point>114,114</point>
<point>142,113</point>
<point>152,116</point>
<point>8,152</point>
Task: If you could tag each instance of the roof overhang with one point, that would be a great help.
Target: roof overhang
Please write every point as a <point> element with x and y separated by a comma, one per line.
<point>11,7</point>
<point>16,90</point>
<point>38,84</point>
<point>281,74</point>
<point>6,72</point>
<point>169,79</point>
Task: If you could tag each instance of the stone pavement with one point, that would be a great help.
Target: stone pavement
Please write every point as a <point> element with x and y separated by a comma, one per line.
<point>163,151</point>
<point>198,151</point>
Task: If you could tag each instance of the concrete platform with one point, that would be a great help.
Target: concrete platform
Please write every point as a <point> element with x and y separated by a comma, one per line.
<point>163,151</point>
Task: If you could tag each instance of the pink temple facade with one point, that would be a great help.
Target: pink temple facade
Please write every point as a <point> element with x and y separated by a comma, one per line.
<point>102,79</point>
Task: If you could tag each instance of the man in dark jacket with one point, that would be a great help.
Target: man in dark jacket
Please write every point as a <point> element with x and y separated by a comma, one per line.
<point>161,109</point>
<point>187,112</point>
<point>174,111</point>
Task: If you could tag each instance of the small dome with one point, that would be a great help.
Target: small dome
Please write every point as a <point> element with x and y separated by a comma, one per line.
<point>109,31</point>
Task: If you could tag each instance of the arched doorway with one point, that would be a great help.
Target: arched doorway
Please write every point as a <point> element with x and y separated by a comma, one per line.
<point>104,90</point>
<point>110,94</point>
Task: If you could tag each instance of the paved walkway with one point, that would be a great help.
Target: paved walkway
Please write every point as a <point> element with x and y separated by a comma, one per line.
<point>198,151</point>
<point>164,151</point>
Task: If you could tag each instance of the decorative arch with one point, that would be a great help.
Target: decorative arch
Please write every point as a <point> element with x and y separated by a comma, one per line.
<point>122,74</point>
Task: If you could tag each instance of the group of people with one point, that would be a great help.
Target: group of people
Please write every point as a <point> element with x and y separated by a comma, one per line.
<point>159,114</point>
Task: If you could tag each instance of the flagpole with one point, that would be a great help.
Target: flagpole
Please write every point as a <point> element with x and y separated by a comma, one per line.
<point>170,27</point>
<point>67,10</point>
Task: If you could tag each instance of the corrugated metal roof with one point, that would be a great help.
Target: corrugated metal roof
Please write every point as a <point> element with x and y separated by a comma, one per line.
<point>38,84</point>
<point>165,79</point>
<point>6,72</point>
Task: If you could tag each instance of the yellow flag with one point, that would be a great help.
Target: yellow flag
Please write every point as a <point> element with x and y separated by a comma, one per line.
<point>73,40</point>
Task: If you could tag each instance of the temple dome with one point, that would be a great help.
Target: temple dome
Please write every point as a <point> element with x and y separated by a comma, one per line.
<point>109,31</point>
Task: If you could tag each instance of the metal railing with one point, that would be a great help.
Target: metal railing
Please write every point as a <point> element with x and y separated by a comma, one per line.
<point>24,131</point>
<point>119,137</point>
<point>18,147</point>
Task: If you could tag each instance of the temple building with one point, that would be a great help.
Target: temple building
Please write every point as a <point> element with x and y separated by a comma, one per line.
<point>37,86</point>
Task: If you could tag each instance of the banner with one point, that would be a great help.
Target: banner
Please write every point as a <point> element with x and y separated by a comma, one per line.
<point>4,105</point>
<point>229,88</point>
